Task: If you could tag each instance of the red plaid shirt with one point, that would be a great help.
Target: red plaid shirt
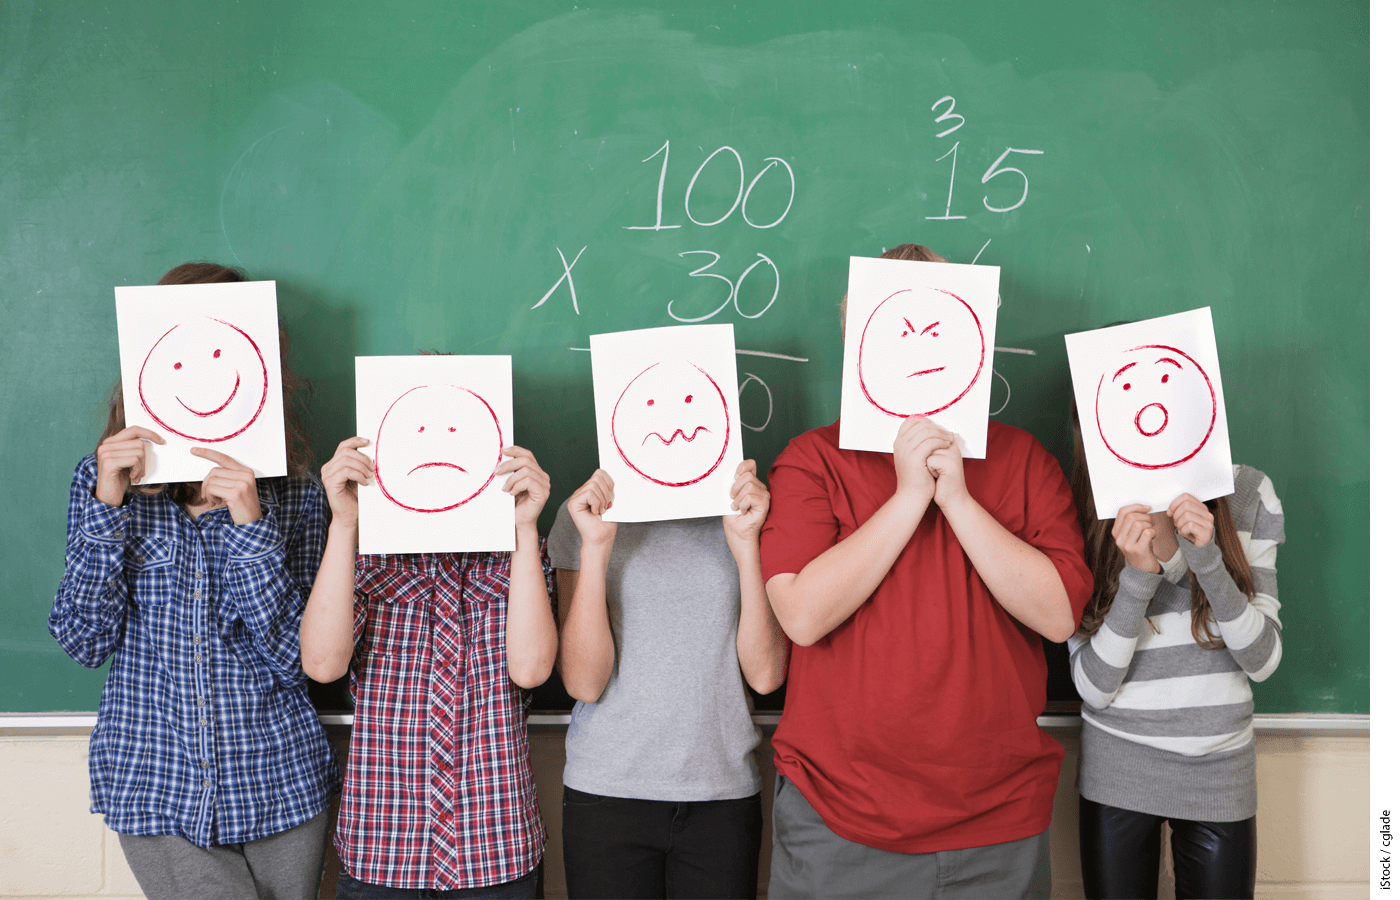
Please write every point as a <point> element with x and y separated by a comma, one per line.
<point>438,792</point>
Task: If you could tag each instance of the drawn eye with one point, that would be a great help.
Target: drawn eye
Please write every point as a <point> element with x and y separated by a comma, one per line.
<point>420,428</point>
<point>177,365</point>
<point>933,334</point>
<point>1164,379</point>
<point>450,428</point>
<point>650,402</point>
<point>1127,385</point>
<point>689,397</point>
<point>904,334</point>
<point>216,353</point>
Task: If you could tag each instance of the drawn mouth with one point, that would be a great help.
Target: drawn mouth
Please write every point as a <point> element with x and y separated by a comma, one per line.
<point>433,465</point>
<point>1137,420</point>
<point>677,433</point>
<point>926,372</point>
<point>237,380</point>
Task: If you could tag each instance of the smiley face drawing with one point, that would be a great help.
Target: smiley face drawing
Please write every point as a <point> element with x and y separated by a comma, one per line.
<point>204,380</point>
<point>437,448</point>
<point>1157,407</point>
<point>921,351</point>
<point>671,424</point>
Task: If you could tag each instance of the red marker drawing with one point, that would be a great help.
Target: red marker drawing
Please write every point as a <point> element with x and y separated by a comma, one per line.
<point>921,351</point>
<point>191,382</point>
<point>437,448</point>
<point>682,407</point>
<point>1156,411</point>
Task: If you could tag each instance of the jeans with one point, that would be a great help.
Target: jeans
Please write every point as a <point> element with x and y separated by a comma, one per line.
<point>616,847</point>
<point>1120,851</point>
<point>529,886</point>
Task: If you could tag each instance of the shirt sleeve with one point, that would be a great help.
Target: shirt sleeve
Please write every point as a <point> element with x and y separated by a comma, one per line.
<point>1052,527</point>
<point>271,566</point>
<point>1099,663</point>
<point>801,524</point>
<point>89,610</point>
<point>1249,626</point>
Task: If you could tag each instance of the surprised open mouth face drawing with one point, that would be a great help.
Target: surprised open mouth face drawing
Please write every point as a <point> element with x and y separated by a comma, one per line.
<point>1156,408</point>
<point>204,380</point>
<point>921,351</point>
<point>671,424</point>
<point>437,448</point>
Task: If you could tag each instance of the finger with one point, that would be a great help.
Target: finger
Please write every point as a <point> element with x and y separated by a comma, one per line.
<point>529,486</point>
<point>517,452</point>
<point>223,459</point>
<point>747,466</point>
<point>742,481</point>
<point>606,480</point>
<point>940,430</point>
<point>136,431</point>
<point>351,443</point>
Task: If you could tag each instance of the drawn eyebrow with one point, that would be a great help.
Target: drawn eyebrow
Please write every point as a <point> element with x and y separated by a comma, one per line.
<point>1166,359</point>
<point>1122,370</point>
<point>930,328</point>
<point>910,324</point>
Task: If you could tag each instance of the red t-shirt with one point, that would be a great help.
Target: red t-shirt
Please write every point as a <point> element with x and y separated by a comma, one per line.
<point>911,726</point>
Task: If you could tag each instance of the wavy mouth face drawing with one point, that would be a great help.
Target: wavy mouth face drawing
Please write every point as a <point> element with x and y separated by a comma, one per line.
<point>204,380</point>
<point>1156,409</point>
<point>921,351</point>
<point>671,424</point>
<point>437,448</point>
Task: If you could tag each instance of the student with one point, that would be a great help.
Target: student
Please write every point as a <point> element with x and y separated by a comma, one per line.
<point>917,586</point>
<point>1183,616</point>
<point>207,758</point>
<point>662,623</point>
<point>441,648</point>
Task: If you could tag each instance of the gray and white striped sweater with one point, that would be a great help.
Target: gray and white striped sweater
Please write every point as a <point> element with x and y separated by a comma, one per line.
<point>1168,726</point>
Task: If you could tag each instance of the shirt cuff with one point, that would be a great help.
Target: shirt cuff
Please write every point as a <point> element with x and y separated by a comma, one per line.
<point>1227,602</point>
<point>1138,584</point>
<point>104,524</point>
<point>253,541</point>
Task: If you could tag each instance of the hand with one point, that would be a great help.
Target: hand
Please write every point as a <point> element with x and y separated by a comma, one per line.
<point>946,466</point>
<point>1193,519</point>
<point>751,499</point>
<point>529,484</point>
<point>121,461</point>
<point>586,508</point>
<point>342,476</point>
<point>1133,533</point>
<point>914,443</point>
<point>232,483</point>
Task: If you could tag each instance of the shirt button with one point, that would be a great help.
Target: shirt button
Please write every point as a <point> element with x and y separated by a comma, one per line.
<point>139,559</point>
<point>203,723</point>
<point>444,816</point>
<point>204,763</point>
<point>207,782</point>
<point>200,701</point>
<point>198,658</point>
<point>444,767</point>
<point>199,576</point>
<point>117,532</point>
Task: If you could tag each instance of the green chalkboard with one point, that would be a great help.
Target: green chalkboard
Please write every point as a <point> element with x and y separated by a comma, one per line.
<point>423,174</point>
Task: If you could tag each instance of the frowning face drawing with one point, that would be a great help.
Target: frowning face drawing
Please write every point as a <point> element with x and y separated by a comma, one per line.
<point>1155,408</point>
<point>921,351</point>
<point>671,424</point>
<point>437,448</point>
<point>204,380</point>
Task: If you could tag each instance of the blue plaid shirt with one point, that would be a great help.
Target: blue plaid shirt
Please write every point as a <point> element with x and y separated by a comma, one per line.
<point>205,729</point>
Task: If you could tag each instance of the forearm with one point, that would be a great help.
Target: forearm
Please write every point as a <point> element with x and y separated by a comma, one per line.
<point>90,606</point>
<point>762,646</point>
<point>328,625</point>
<point>1099,665</point>
<point>263,596</point>
<point>586,650</point>
<point>810,604</point>
<point>1021,578</point>
<point>1251,637</point>
<point>531,637</point>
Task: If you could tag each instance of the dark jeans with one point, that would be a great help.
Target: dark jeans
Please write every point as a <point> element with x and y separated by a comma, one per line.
<point>615,847</point>
<point>529,886</point>
<point>1120,851</point>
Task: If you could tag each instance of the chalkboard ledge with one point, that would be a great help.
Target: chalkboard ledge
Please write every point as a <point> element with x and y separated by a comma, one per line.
<point>1295,724</point>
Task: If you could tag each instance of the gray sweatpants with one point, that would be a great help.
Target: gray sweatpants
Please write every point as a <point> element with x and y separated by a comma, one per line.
<point>810,860</point>
<point>283,866</point>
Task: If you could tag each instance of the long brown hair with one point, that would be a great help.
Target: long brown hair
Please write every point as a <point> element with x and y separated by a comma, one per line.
<point>300,459</point>
<point>1106,560</point>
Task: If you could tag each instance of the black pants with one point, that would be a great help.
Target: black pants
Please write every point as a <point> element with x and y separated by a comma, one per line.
<point>1120,852</point>
<point>620,848</point>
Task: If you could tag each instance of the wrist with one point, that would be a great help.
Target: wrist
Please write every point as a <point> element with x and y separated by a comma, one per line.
<point>347,526</point>
<point>526,534</point>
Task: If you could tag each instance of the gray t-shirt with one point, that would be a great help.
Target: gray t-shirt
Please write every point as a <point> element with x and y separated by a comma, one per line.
<point>674,722</point>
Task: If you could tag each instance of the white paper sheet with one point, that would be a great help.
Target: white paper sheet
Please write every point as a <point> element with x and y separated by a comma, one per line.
<point>437,425</point>
<point>1151,411</point>
<point>667,407</point>
<point>201,366</point>
<point>919,341</point>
